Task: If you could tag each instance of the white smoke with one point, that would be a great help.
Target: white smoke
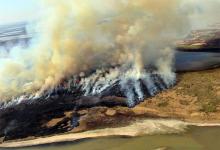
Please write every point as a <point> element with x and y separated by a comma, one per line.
<point>77,36</point>
<point>202,13</point>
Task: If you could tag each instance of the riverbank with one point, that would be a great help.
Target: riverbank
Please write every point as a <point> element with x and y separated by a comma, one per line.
<point>135,129</point>
<point>195,99</point>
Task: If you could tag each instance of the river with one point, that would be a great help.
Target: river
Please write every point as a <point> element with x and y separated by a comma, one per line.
<point>193,61</point>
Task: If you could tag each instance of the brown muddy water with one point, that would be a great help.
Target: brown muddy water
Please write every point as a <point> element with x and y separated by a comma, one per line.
<point>195,138</point>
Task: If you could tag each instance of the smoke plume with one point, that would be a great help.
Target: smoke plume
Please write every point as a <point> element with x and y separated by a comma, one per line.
<point>75,36</point>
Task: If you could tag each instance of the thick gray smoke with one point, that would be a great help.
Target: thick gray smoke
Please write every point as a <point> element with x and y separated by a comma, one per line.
<point>78,36</point>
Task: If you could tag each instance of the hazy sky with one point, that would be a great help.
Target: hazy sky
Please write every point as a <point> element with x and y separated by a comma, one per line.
<point>18,10</point>
<point>25,10</point>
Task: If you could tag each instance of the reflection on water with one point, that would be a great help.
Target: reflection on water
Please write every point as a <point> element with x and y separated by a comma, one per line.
<point>192,61</point>
<point>197,138</point>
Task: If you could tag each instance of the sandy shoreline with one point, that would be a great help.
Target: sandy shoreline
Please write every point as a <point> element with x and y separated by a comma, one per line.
<point>141,127</point>
<point>187,101</point>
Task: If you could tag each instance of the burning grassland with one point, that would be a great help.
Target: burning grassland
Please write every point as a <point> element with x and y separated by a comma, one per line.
<point>77,37</point>
<point>186,101</point>
<point>104,83</point>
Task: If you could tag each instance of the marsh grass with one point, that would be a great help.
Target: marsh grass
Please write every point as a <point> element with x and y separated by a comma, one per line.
<point>204,85</point>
